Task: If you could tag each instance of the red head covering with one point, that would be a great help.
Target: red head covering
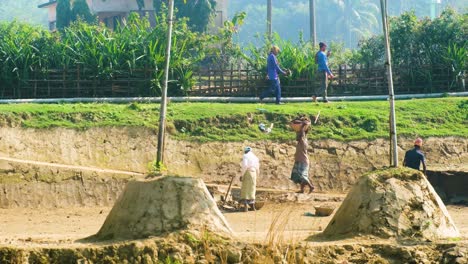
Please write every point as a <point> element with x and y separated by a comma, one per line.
<point>418,142</point>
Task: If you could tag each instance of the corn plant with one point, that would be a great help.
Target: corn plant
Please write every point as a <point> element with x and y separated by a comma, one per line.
<point>21,51</point>
<point>457,56</point>
<point>104,53</point>
<point>298,57</point>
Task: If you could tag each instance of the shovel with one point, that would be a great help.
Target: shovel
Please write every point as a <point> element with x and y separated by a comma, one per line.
<point>229,189</point>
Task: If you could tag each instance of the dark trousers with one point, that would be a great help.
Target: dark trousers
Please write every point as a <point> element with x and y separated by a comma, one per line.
<point>273,88</point>
<point>322,89</point>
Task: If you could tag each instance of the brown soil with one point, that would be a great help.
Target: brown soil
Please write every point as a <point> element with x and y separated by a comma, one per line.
<point>276,233</point>
<point>162,205</point>
<point>335,166</point>
<point>47,207</point>
<point>393,203</point>
<point>34,227</point>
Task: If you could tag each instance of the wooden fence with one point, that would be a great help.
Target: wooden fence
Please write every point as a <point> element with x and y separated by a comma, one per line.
<point>229,81</point>
<point>79,82</point>
<point>237,81</point>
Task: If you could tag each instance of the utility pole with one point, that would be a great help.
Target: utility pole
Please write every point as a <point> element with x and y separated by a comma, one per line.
<point>269,11</point>
<point>163,108</point>
<point>388,64</point>
<point>313,37</point>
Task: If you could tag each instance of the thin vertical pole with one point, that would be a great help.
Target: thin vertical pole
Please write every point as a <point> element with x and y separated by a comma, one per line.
<point>269,26</point>
<point>388,64</point>
<point>162,113</point>
<point>313,36</point>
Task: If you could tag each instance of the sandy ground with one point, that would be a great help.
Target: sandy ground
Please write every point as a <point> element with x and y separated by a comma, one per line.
<point>32,227</point>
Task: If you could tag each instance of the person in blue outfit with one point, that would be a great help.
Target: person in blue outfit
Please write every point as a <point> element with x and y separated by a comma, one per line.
<point>414,157</point>
<point>324,73</point>
<point>273,69</point>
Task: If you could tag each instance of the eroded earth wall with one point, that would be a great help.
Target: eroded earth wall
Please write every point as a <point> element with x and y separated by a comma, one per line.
<point>335,165</point>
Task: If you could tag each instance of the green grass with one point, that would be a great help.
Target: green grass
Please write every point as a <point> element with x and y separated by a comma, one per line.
<point>228,122</point>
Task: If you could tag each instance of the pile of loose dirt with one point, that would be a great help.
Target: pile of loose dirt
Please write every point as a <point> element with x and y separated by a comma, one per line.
<point>398,203</point>
<point>163,205</point>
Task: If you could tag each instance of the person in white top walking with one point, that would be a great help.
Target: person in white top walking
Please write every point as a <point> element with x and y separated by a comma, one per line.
<point>250,170</point>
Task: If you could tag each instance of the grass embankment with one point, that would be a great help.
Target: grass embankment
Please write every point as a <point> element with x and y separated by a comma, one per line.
<point>230,122</point>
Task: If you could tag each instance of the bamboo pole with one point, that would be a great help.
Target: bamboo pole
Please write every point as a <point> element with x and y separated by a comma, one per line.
<point>313,37</point>
<point>269,26</point>
<point>162,113</point>
<point>388,64</point>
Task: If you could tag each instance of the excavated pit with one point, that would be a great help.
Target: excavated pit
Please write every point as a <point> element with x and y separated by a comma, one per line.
<point>450,185</point>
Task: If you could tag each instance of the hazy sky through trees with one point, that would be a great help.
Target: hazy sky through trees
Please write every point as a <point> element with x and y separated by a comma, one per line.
<point>337,20</point>
<point>23,10</point>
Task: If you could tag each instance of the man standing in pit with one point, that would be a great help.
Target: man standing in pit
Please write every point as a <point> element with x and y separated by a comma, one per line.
<point>250,171</point>
<point>414,157</point>
<point>324,72</point>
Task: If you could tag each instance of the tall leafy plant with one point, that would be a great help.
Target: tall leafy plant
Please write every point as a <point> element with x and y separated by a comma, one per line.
<point>105,53</point>
<point>457,57</point>
<point>298,57</point>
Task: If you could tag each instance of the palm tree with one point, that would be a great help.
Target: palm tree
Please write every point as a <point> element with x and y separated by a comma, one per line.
<point>355,18</point>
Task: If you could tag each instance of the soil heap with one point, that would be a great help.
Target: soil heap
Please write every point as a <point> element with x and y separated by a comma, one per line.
<point>163,205</point>
<point>393,203</point>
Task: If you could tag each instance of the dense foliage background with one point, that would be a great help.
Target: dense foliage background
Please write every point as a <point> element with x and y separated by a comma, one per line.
<point>134,45</point>
<point>345,21</point>
<point>419,45</point>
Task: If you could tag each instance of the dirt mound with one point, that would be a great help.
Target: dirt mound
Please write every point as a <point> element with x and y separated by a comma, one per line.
<point>167,204</point>
<point>397,203</point>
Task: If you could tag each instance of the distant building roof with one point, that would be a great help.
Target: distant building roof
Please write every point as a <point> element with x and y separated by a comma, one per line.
<point>51,2</point>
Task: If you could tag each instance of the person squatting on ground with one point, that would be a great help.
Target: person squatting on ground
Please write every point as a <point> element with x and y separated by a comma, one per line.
<point>250,170</point>
<point>300,171</point>
<point>273,69</point>
<point>414,157</point>
<point>324,73</point>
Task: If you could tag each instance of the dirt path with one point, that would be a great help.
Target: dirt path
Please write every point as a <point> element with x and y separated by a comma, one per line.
<point>29,227</point>
<point>60,227</point>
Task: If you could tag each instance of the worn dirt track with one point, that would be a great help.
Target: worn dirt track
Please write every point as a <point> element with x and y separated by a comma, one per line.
<point>61,227</point>
<point>49,205</point>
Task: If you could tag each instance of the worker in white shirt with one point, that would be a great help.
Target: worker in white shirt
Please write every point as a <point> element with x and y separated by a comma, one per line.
<point>250,170</point>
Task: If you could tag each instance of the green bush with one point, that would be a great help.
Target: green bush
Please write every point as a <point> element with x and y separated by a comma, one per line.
<point>416,43</point>
<point>106,53</point>
<point>298,57</point>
